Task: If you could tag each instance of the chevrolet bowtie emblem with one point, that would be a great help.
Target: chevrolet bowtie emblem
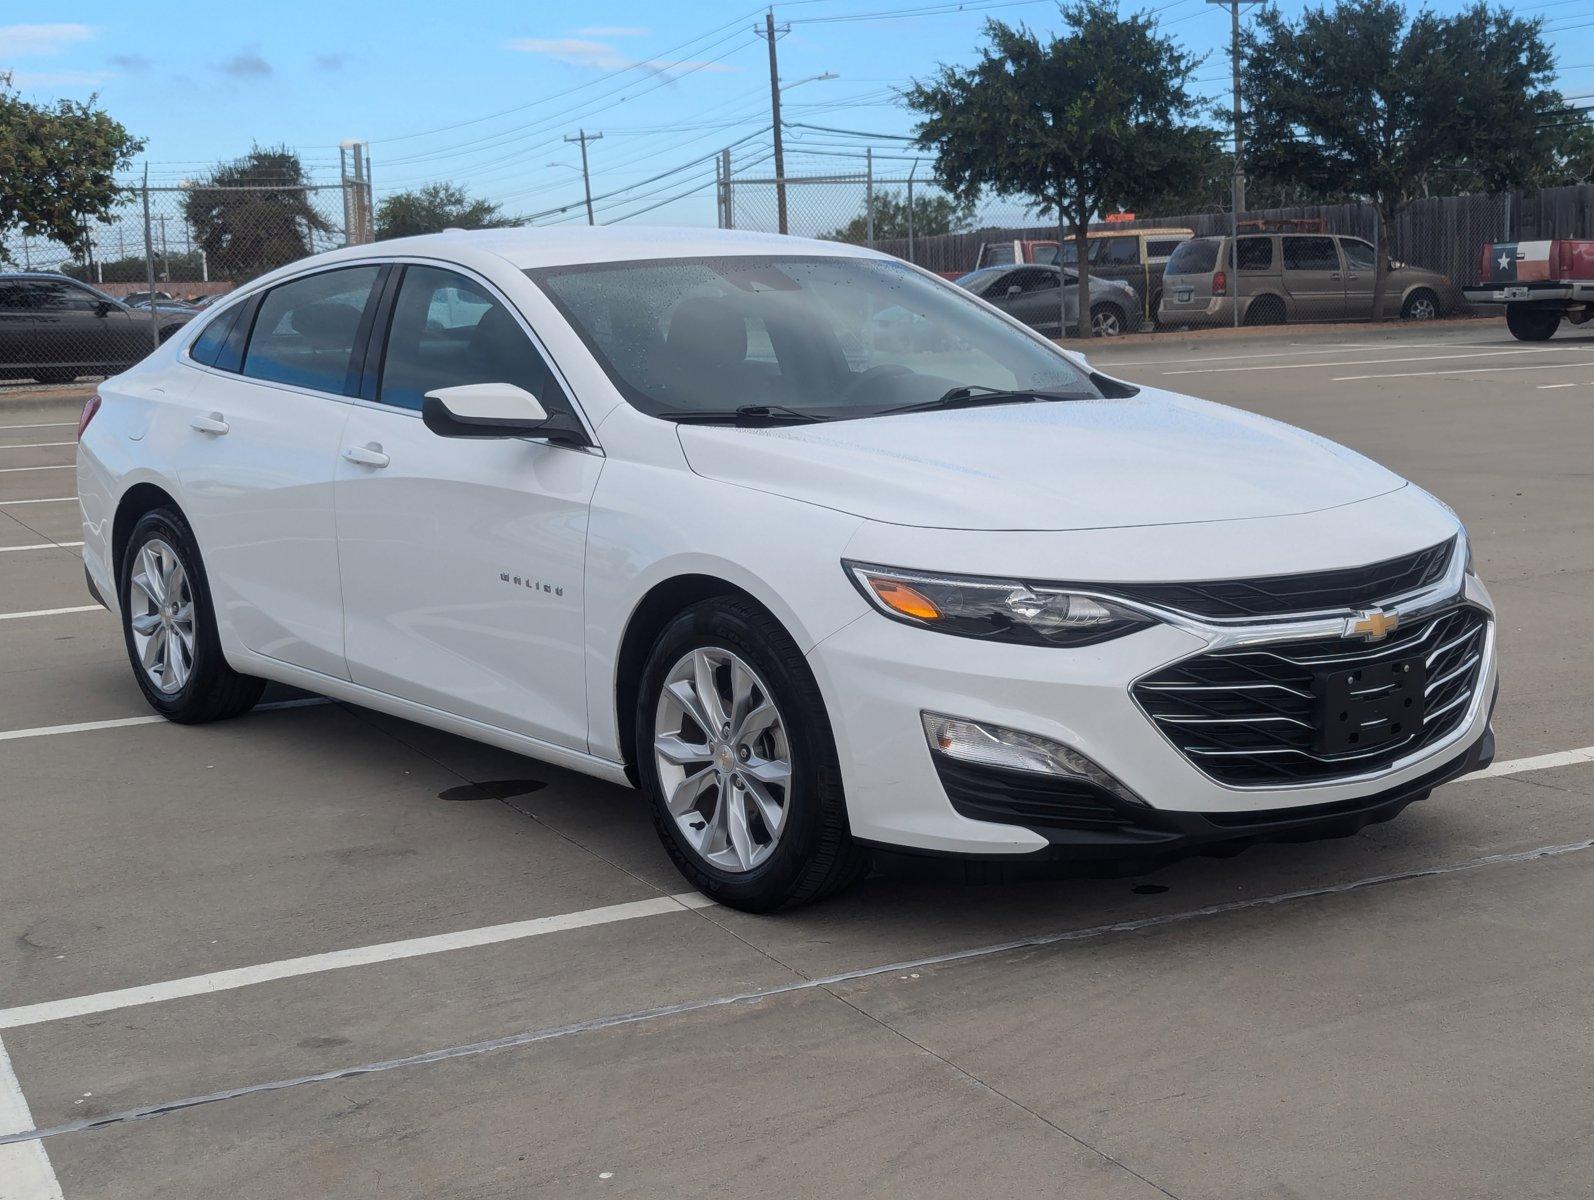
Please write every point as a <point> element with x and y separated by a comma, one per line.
<point>1371,624</point>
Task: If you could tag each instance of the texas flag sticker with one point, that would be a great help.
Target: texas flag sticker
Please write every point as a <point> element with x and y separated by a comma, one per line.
<point>1516,262</point>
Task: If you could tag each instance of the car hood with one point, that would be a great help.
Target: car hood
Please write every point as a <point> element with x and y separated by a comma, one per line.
<point>1152,459</point>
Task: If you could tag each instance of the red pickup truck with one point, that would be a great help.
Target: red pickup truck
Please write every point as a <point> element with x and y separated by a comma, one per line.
<point>1538,282</point>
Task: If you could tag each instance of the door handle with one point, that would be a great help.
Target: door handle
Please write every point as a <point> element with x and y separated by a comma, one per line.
<point>368,455</point>
<point>1334,275</point>
<point>210,424</point>
<point>1353,277</point>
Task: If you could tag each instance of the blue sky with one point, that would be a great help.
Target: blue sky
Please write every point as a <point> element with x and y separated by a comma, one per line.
<point>482,94</point>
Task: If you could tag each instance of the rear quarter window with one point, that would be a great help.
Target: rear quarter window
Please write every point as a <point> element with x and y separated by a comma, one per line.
<point>1255,253</point>
<point>1198,257</point>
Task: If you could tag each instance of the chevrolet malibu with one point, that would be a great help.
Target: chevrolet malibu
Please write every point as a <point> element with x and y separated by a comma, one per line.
<point>678,510</point>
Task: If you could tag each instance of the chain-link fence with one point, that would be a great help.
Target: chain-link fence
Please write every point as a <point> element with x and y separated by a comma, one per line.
<point>96,307</point>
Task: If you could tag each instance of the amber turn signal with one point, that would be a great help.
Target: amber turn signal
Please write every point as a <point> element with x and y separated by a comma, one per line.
<point>899,597</point>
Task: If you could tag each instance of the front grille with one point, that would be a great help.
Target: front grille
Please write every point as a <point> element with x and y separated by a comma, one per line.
<point>1254,717</point>
<point>1293,595</point>
<point>1034,800</point>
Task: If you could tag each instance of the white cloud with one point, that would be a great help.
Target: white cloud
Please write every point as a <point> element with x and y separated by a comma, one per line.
<point>27,81</point>
<point>584,52</point>
<point>606,31</point>
<point>20,41</point>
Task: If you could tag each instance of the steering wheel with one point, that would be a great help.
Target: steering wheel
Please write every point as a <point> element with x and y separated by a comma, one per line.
<point>880,371</point>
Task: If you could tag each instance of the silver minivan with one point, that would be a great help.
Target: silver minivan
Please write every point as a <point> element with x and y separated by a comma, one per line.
<point>1282,277</point>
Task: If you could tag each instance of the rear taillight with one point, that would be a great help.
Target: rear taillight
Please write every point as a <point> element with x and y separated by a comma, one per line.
<point>1486,269</point>
<point>89,409</point>
<point>1220,283</point>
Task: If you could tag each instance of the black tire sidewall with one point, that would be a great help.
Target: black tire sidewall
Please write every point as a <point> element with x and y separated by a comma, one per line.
<point>816,775</point>
<point>167,525</point>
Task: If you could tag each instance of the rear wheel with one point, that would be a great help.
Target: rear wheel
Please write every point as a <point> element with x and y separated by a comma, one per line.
<point>734,751</point>
<point>1265,310</point>
<point>170,627</point>
<point>1531,324</point>
<point>1154,309</point>
<point>1106,320</point>
<point>1421,305</point>
<point>55,377</point>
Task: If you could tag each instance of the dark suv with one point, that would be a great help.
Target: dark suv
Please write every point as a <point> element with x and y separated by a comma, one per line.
<point>54,329</point>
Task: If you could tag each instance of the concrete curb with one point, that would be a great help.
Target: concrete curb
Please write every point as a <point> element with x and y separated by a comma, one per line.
<point>1341,330</point>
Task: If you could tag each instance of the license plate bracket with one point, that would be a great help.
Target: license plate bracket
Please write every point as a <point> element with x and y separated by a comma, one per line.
<point>1368,706</point>
<point>1515,293</point>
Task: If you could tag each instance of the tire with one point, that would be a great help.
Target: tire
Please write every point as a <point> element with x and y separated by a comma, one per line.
<point>1106,320</point>
<point>1421,305</point>
<point>1531,324</point>
<point>53,378</point>
<point>190,681</point>
<point>1265,310</point>
<point>1154,308</point>
<point>807,852</point>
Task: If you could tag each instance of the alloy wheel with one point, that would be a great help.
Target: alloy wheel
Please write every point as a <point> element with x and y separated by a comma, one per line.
<point>1105,322</point>
<point>160,609</point>
<point>723,759</point>
<point>1421,308</point>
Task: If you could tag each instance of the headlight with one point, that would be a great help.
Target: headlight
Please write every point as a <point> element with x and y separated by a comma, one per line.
<point>998,610</point>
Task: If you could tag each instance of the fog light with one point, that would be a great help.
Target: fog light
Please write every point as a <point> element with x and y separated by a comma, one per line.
<point>993,746</point>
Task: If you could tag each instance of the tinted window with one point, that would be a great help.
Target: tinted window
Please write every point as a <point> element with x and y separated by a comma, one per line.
<point>1161,249</point>
<point>998,253</point>
<point>213,336</point>
<point>1035,279</point>
<point>305,331</point>
<point>1118,252</point>
<point>1358,254</point>
<point>1197,257</point>
<point>38,295</point>
<point>448,330</point>
<point>1310,254</point>
<point>1255,253</point>
<point>1045,254</point>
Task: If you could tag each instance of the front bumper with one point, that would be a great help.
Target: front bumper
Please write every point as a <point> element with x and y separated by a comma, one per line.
<point>878,676</point>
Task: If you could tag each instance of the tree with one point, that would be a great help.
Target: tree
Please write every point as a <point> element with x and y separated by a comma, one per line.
<point>931,215</point>
<point>431,209</point>
<point>254,214</point>
<point>57,168</point>
<point>1359,99</point>
<point>1088,122</point>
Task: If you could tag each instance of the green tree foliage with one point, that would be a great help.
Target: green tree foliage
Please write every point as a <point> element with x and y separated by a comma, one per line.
<point>931,215</point>
<point>178,266</point>
<point>254,214</point>
<point>1090,121</point>
<point>57,167</point>
<point>1360,99</point>
<point>431,209</point>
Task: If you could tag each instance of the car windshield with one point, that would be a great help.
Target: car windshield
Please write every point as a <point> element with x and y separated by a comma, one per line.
<point>827,336</point>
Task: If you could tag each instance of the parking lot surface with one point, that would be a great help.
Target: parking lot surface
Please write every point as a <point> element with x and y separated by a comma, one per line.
<point>321,952</point>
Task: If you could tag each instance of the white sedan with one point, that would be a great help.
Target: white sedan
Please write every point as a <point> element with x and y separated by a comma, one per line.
<point>669,508</point>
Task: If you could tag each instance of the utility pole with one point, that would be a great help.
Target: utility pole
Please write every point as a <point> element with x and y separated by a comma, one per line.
<point>769,33</point>
<point>1237,199</point>
<point>586,179</point>
<point>149,267</point>
<point>725,175</point>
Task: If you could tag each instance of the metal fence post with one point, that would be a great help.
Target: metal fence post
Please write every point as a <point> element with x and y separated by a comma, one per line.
<point>730,210</point>
<point>149,266</point>
<point>868,194</point>
<point>911,171</point>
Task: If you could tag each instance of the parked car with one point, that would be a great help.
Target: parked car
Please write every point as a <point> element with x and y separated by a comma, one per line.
<point>627,501</point>
<point>1540,283</point>
<point>1030,294</point>
<point>54,329</point>
<point>1293,277</point>
<point>1138,257</point>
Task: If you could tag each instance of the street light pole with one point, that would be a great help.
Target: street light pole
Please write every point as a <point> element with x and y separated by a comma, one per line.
<point>1237,195</point>
<point>769,34</point>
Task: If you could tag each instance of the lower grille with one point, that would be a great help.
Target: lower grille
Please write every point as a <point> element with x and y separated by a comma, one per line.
<point>1026,798</point>
<point>1258,716</point>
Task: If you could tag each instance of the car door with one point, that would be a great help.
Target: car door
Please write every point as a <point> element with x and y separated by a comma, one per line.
<point>463,559</point>
<point>1313,277</point>
<point>81,328</point>
<point>1036,303</point>
<point>1360,276</point>
<point>1119,258</point>
<point>257,446</point>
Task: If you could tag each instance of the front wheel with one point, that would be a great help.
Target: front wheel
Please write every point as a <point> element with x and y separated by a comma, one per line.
<point>1421,305</point>
<point>735,753</point>
<point>1106,320</point>
<point>170,627</point>
<point>1531,324</point>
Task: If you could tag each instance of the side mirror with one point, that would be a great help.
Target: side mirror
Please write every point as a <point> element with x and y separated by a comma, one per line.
<point>1014,290</point>
<point>495,410</point>
<point>103,308</point>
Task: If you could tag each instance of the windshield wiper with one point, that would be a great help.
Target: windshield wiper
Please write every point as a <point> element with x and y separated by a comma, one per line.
<point>973,395</point>
<point>746,414</point>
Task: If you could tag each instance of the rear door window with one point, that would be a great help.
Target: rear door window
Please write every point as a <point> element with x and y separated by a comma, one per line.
<point>1310,254</point>
<point>1161,248</point>
<point>1196,257</point>
<point>305,331</point>
<point>1255,254</point>
<point>1118,252</point>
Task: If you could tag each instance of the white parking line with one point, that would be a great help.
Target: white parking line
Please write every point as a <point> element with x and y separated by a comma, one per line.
<point>32,445</point>
<point>40,546</point>
<point>1538,762</point>
<point>1545,387</point>
<point>49,612</point>
<point>337,960</point>
<point>1571,366</point>
<point>17,735</point>
<point>44,425</point>
<point>25,1170</point>
<point>1296,351</point>
<point>55,467</point>
<point>1355,362</point>
<point>73,499</point>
